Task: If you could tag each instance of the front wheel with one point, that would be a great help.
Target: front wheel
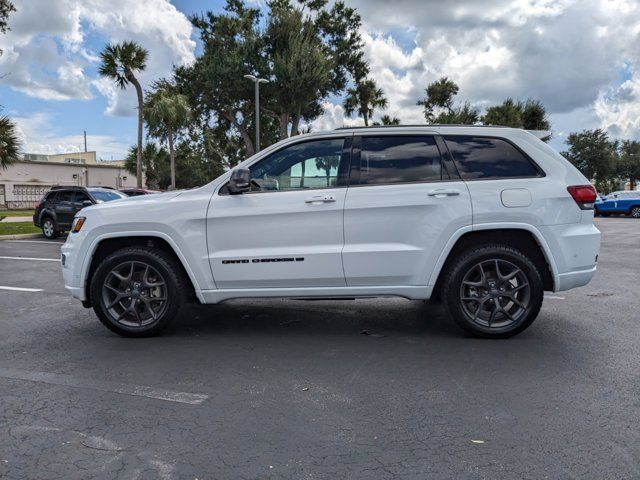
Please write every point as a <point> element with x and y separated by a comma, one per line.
<point>635,212</point>
<point>137,292</point>
<point>493,291</point>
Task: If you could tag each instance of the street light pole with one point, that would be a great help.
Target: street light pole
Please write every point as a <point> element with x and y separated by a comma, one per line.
<point>257,81</point>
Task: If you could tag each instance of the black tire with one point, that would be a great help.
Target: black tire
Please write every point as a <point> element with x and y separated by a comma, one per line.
<point>49,228</point>
<point>483,306</point>
<point>174,290</point>
<point>634,212</point>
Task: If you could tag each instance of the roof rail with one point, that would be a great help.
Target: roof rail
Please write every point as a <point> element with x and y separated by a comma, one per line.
<point>427,125</point>
<point>67,187</point>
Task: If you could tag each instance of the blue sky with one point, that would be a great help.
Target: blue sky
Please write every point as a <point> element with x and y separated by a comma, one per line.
<point>577,57</point>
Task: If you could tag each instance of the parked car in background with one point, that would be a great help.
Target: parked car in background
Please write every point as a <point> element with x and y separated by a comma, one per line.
<point>136,192</point>
<point>484,218</point>
<point>625,202</point>
<point>55,212</point>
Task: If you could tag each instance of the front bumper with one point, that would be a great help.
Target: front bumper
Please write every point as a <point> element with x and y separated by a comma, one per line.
<point>72,265</point>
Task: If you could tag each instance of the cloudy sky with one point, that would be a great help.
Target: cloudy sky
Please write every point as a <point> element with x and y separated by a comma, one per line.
<point>581,58</point>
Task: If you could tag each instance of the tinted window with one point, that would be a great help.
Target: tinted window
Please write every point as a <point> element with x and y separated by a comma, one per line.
<point>81,197</point>
<point>482,157</point>
<point>399,160</point>
<point>64,196</point>
<point>306,165</point>
<point>106,196</point>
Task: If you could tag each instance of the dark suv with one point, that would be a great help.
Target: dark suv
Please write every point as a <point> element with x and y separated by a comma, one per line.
<point>55,212</point>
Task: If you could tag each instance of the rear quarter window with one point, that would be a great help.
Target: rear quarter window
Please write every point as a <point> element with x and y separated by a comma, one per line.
<point>489,157</point>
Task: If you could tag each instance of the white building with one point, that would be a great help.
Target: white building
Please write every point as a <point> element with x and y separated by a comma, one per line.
<point>25,182</point>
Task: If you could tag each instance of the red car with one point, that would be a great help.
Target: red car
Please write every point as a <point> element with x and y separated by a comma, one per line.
<point>134,192</point>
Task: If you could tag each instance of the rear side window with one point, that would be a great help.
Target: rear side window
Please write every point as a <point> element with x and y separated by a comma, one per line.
<point>401,159</point>
<point>64,196</point>
<point>485,157</point>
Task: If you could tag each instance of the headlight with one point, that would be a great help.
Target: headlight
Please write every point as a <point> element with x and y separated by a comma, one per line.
<point>77,224</point>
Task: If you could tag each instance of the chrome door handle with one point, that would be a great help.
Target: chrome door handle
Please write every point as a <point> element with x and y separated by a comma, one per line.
<point>321,199</point>
<point>444,192</point>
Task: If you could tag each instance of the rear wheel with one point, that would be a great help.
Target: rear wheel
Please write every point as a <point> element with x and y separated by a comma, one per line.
<point>493,291</point>
<point>49,229</point>
<point>635,212</point>
<point>137,292</point>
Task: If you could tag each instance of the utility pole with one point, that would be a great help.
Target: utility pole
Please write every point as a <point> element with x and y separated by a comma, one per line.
<point>85,141</point>
<point>257,81</point>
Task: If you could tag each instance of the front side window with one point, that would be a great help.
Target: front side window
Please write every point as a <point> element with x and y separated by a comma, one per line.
<point>308,165</point>
<point>488,157</point>
<point>401,159</point>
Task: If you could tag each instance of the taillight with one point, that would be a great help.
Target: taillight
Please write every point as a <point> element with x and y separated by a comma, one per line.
<point>37,205</point>
<point>584,195</point>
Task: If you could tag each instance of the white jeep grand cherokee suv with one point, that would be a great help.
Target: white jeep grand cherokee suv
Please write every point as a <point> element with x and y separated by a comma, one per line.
<point>484,218</point>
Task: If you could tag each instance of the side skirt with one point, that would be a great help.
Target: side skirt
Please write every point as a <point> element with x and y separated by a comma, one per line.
<point>420,292</point>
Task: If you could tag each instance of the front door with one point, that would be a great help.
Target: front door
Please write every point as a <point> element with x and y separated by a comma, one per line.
<point>404,202</point>
<point>287,231</point>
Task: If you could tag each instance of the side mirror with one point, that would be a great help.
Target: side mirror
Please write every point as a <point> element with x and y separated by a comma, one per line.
<point>86,203</point>
<point>240,181</point>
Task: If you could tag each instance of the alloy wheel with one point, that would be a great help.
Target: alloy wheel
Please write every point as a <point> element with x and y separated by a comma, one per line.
<point>495,293</point>
<point>134,294</point>
<point>47,228</point>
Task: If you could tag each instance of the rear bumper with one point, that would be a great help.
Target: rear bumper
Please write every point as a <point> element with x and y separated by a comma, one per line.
<point>575,248</point>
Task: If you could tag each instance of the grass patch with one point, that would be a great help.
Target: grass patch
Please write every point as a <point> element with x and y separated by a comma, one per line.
<point>17,228</point>
<point>16,213</point>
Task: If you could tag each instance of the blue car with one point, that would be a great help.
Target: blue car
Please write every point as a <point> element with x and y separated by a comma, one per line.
<point>622,202</point>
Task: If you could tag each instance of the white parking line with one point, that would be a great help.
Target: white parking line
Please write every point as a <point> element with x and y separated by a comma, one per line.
<point>32,258</point>
<point>554,297</point>
<point>104,386</point>
<point>48,242</point>
<point>20,289</point>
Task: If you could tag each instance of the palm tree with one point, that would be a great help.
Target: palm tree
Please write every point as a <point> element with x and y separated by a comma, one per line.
<point>121,62</point>
<point>9,142</point>
<point>166,113</point>
<point>364,99</point>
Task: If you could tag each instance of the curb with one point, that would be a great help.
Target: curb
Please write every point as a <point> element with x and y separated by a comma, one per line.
<point>21,236</point>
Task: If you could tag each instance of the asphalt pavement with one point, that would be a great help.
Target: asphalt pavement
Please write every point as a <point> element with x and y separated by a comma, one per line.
<point>291,389</point>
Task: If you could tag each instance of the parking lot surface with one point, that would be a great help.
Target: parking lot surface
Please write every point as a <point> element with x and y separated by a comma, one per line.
<point>366,389</point>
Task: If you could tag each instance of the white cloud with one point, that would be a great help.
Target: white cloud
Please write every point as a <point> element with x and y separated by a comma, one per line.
<point>618,109</point>
<point>37,136</point>
<point>567,53</point>
<point>46,53</point>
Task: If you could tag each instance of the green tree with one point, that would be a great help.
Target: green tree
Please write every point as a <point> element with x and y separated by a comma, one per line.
<point>121,62</point>
<point>167,113</point>
<point>6,7</point>
<point>529,115</point>
<point>439,104</point>
<point>387,120</point>
<point>9,142</point>
<point>438,96</point>
<point>308,49</point>
<point>301,69</point>
<point>594,155</point>
<point>364,99</point>
<point>464,114</point>
<point>629,162</point>
<point>155,164</point>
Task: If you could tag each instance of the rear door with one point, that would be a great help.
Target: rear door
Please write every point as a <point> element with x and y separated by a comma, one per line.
<point>64,207</point>
<point>405,200</point>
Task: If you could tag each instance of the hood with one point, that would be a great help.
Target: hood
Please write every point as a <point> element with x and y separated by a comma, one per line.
<point>140,200</point>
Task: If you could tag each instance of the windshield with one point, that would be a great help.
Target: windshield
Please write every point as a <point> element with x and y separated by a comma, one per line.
<point>106,196</point>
